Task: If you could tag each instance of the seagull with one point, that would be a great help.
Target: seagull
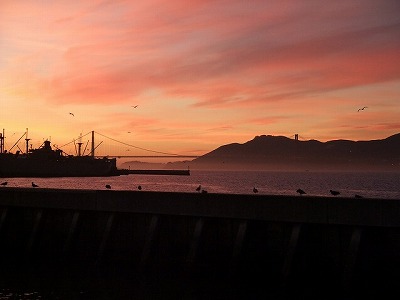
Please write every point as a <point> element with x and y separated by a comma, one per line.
<point>334,193</point>
<point>108,186</point>
<point>362,108</point>
<point>134,106</point>
<point>4,183</point>
<point>72,114</point>
<point>139,187</point>
<point>34,185</point>
<point>198,188</point>
<point>204,192</point>
<point>255,191</point>
<point>301,192</point>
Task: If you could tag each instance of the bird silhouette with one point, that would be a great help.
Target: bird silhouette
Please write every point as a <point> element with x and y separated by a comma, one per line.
<point>134,106</point>
<point>334,193</point>
<point>72,114</point>
<point>362,108</point>
<point>108,186</point>
<point>198,188</point>
<point>204,192</point>
<point>358,196</point>
<point>139,187</point>
<point>4,183</point>
<point>255,191</point>
<point>34,185</point>
<point>301,192</point>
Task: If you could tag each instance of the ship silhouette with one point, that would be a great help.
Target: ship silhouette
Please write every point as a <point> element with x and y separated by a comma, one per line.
<point>47,162</point>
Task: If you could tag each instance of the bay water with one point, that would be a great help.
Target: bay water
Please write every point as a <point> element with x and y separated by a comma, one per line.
<point>385,185</point>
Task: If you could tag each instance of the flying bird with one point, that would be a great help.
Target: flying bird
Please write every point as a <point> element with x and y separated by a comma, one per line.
<point>134,106</point>
<point>72,114</point>
<point>334,193</point>
<point>4,183</point>
<point>255,191</point>
<point>362,108</point>
<point>198,188</point>
<point>139,187</point>
<point>301,192</point>
<point>34,185</point>
<point>108,186</point>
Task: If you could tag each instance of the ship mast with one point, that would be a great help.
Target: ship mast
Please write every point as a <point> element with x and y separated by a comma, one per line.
<point>27,141</point>
<point>79,144</point>
<point>92,152</point>
<point>2,142</point>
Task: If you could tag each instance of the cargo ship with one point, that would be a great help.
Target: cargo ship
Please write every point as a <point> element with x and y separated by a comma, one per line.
<point>47,162</point>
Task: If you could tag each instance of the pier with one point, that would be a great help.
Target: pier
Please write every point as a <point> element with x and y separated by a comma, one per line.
<point>164,245</point>
<point>154,172</point>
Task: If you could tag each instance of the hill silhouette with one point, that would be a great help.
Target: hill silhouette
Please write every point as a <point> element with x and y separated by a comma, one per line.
<point>267,152</point>
<point>279,152</point>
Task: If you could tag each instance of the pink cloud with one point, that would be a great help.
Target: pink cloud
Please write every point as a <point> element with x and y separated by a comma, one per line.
<point>223,57</point>
<point>173,51</point>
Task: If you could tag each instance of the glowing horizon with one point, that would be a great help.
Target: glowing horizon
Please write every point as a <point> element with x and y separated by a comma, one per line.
<point>203,73</point>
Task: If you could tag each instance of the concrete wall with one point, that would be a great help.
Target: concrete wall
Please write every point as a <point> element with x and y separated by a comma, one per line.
<point>212,244</point>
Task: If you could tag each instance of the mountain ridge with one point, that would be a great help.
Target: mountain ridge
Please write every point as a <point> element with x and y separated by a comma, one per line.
<point>268,152</point>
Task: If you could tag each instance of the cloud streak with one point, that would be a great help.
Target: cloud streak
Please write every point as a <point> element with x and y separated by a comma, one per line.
<point>243,62</point>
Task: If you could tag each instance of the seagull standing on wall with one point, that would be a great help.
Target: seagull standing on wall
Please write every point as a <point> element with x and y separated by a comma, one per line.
<point>334,193</point>
<point>301,192</point>
<point>34,185</point>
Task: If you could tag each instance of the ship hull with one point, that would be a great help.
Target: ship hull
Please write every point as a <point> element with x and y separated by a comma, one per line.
<point>11,166</point>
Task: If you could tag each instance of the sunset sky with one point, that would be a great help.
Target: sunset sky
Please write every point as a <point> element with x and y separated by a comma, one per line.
<point>203,73</point>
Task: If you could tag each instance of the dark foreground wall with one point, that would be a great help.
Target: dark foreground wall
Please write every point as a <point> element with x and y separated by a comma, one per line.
<point>152,245</point>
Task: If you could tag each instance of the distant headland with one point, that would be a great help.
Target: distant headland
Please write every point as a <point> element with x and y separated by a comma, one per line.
<point>267,152</point>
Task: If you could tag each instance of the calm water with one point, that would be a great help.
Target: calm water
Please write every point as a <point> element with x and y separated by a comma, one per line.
<point>367,184</point>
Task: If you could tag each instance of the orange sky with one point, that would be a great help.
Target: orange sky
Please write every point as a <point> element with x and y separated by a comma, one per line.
<point>203,73</point>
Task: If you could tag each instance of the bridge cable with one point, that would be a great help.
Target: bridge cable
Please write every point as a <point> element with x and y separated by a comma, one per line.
<point>73,141</point>
<point>126,144</point>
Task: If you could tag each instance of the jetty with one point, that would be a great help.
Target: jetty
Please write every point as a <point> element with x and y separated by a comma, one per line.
<point>183,172</point>
<point>166,245</point>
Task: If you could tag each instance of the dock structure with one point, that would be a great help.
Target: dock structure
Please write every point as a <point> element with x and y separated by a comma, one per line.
<point>184,172</point>
<point>201,246</point>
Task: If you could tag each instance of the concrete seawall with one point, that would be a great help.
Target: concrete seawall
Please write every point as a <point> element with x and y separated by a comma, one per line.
<point>197,246</point>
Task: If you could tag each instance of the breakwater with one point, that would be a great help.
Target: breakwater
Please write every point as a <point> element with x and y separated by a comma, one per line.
<point>154,172</point>
<point>195,246</point>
